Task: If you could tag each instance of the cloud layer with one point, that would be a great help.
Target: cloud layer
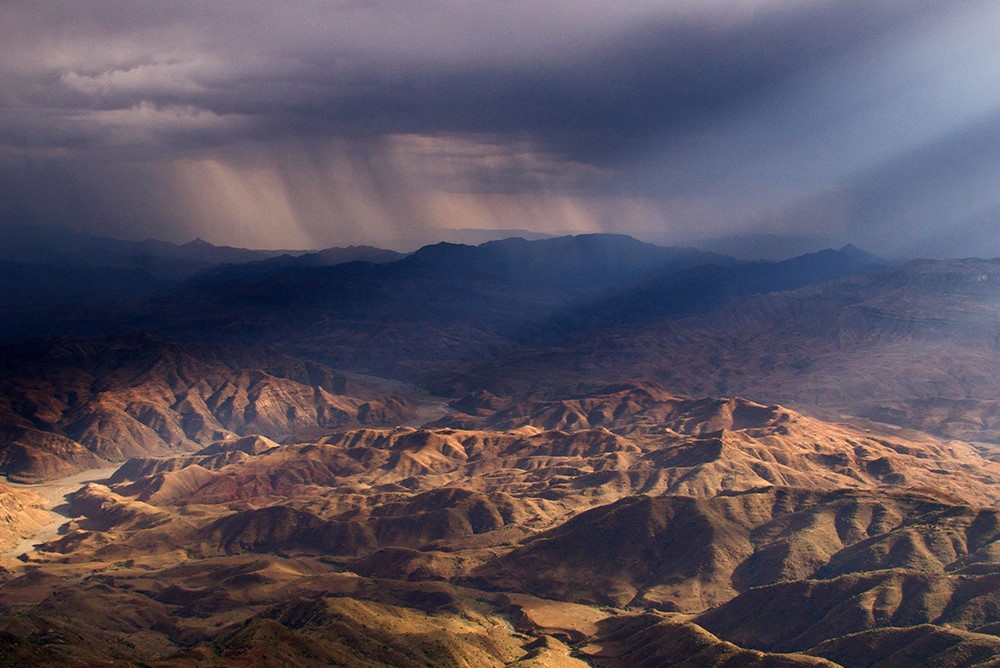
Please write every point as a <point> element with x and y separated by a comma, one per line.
<point>322,123</point>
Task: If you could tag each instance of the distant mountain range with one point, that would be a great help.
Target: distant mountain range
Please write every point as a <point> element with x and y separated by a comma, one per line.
<point>836,329</point>
<point>608,453</point>
<point>52,266</point>
<point>470,236</point>
<point>444,304</point>
<point>771,247</point>
<point>161,259</point>
<point>912,344</point>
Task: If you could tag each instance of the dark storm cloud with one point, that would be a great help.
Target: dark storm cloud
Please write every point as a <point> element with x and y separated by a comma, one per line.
<point>375,74</point>
<point>662,118</point>
<point>604,100</point>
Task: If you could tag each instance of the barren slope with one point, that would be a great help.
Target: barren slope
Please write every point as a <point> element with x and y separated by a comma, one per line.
<point>22,513</point>
<point>926,330</point>
<point>73,404</point>
<point>686,554</point>
<point>587,529</point>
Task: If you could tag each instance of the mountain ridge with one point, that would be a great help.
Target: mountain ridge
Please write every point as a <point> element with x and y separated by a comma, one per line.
<point>74,403</point>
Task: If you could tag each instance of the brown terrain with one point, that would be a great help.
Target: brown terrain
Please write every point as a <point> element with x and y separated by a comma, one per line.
<point>70,405</point>
<point>22,513</point>
<point>886,344</point>
<point>625,526</point>
<point>842,509</point>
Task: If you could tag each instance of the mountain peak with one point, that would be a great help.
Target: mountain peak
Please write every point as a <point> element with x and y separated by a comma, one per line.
<point>198,242</point>
<point>853,251</point>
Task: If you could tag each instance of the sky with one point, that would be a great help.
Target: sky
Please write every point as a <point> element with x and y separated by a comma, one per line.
<point>308,124</point>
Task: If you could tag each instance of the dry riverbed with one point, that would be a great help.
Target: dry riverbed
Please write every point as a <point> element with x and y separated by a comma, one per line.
<point>55,493</point>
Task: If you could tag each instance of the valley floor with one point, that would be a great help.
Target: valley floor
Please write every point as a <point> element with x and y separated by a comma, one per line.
<point>56,494</point>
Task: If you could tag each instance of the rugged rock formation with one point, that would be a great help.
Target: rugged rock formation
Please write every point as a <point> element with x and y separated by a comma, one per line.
<point>75,404</point>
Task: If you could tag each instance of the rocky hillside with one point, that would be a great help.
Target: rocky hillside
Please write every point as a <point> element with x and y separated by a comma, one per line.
<point>620,526</point>
<point>67,405</point>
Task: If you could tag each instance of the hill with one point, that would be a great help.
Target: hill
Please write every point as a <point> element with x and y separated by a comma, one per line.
<point>865,344</point>
<point>624,525</point>
<point>71,404</point>
<point>651,456</point>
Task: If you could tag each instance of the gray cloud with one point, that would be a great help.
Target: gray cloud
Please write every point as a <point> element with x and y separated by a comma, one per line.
<point>338,122</point>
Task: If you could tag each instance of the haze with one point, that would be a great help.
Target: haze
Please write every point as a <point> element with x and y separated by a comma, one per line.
<point>313,124</point>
